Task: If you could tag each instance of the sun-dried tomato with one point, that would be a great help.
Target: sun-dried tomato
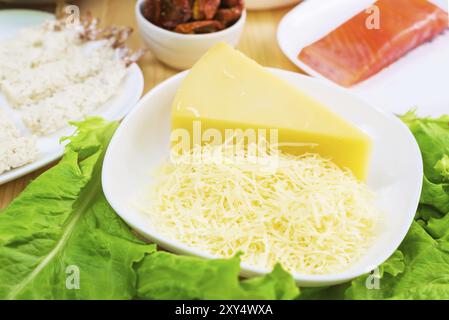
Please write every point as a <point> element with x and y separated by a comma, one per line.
<point>193,16</point>
<point>198,27</point>
<point>205,9</point>
<point>167,13</point>
<point>152,11</point>
<point>228,16</point>
<point>233,3</point>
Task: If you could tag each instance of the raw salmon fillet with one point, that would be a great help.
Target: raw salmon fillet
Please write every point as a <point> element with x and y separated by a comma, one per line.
<point>353,52</point>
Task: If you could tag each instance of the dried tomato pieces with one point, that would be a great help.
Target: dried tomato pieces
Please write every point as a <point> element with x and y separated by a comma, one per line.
<point>229,16</point>
<point>193,16</point>
<point>205,9</point>
<point>167,13</point>
<point>233,3</point>
<point>198,27</point>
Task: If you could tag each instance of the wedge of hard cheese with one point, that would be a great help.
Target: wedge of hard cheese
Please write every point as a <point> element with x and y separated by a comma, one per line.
<point>227,90</point>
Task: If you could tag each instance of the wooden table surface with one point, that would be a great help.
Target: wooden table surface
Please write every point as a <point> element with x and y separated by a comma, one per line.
<point>258,42</point>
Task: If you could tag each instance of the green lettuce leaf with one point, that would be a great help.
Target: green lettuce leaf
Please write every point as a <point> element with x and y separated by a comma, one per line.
<point>438,228</point>
<point>426,212</point>
<point>167,276</point>
<point>432,136</point>
<point>420,268</point>
<point>278,285</point>
<point>394,265</point>
<point>435,195</point>
<point>442,167</point>
<point>60,239</point>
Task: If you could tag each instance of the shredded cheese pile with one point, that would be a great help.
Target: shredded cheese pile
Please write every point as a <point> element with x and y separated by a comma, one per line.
<point>304,212</point>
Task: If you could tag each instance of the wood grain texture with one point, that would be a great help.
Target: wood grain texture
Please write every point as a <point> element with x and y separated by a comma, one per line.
<point>258,42</point>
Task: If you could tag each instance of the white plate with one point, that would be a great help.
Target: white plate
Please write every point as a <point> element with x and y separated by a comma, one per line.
<point>49,147</point>
<point>268,4</point>
<point>142,142</point>
<point>419,79</point>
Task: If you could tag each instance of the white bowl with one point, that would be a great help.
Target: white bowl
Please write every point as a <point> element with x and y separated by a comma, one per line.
<point>395,174</point>
<point>181,51</point>
<point>268,4</point>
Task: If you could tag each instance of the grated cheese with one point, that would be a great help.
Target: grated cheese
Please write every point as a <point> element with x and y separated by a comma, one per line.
<point>304,212</point>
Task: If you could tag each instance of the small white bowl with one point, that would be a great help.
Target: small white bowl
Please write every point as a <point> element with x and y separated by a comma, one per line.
<point>181,51</point>
<point>268,4</point>
<point>142,142</point>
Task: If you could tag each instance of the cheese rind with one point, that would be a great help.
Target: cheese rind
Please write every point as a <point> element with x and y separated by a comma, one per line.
<point>227,90</point>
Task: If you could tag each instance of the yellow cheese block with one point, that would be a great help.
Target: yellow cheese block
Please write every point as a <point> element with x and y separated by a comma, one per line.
<point>227,90</point>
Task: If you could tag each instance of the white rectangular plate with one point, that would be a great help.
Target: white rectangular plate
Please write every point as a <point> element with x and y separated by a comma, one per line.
<point>419,80</point>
